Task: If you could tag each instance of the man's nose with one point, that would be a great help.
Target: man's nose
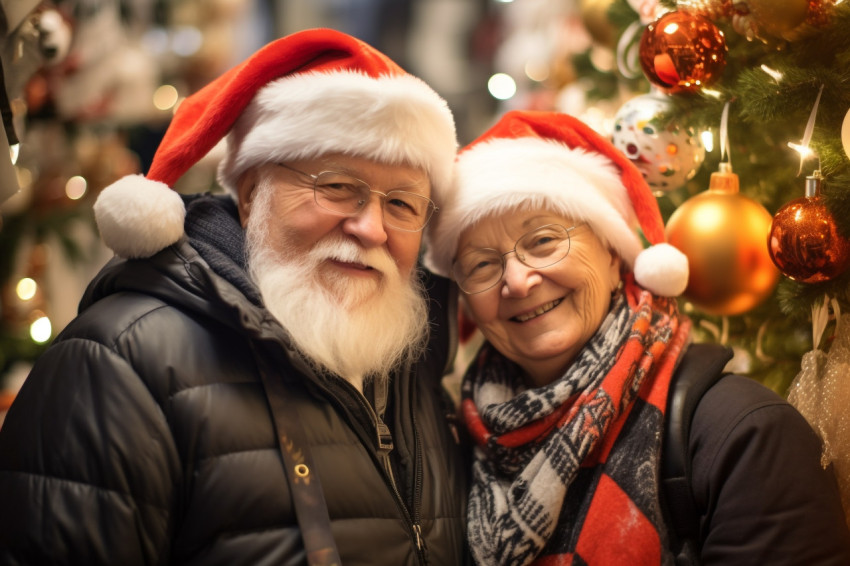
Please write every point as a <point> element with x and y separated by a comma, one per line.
<point>368,224</point>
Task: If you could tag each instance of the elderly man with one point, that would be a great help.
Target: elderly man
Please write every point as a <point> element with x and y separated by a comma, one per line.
<point>255,378</point>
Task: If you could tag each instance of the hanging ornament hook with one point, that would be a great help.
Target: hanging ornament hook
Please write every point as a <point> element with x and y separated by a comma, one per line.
<point>813,183</point>
<point>820,317</point>
<point>627,51</point>
<point>724,134</point>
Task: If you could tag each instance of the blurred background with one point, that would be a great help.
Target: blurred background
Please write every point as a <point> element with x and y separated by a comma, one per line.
<point>736,111</point>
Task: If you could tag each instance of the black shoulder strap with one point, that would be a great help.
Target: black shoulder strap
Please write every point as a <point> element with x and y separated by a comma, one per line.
<point>699,369</point>
<point>308,498</point>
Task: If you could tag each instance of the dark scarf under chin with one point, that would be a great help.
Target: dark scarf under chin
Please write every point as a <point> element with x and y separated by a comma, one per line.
<point>568,473</point>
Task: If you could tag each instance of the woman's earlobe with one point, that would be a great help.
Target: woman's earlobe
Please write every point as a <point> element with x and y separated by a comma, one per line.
<point>617,287</point>
<point>616,269</point>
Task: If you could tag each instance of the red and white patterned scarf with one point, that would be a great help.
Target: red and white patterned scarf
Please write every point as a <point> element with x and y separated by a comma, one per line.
<point>568,473</point>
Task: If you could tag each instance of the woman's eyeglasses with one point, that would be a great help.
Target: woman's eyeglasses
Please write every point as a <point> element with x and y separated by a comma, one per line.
<point>481,269</point>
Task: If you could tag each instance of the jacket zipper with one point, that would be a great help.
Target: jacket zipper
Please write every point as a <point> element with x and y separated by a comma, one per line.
<point>418,480</point>
<point>384,438</point>
<point>385,444</point>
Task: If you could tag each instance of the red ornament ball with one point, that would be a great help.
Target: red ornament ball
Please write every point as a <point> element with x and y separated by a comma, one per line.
<point>805,244</point>
<point>682,52</point>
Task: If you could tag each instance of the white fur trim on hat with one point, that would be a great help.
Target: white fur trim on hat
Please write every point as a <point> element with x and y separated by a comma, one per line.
<point>504,174</point>
<point>662,270</point>
<point>394,119</point>
<point>138,217</point>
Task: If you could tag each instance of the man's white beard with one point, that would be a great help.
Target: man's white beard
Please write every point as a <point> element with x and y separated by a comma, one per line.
<point>358,328</point>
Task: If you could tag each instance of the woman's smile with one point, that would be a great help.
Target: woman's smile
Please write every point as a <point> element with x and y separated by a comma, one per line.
<point>534,313</point>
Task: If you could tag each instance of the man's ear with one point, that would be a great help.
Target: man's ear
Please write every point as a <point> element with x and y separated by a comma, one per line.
<point>245,193</point>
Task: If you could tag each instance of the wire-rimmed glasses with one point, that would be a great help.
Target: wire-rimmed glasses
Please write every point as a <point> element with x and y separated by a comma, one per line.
<point>481,269</point>
<point>343,194</point>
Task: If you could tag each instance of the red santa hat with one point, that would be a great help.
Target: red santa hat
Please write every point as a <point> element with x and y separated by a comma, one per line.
<point>311,93</point>
<point>552,160</point>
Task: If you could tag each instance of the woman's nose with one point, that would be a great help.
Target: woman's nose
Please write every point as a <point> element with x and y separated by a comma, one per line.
<point>519,279</point>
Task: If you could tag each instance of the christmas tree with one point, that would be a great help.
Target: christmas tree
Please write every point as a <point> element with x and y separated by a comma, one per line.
<point>738,114</point>
<point>733,110</point>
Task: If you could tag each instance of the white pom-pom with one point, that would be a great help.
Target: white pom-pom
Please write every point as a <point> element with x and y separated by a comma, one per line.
<point>662,270</point>
<point>138,217</point>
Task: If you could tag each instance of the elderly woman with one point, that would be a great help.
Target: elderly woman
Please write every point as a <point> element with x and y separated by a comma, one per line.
<point>570,398</point>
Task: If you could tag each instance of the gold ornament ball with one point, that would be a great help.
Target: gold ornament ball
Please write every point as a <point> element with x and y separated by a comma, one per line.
<point>594,16</point>
<point>723,234</point>
<point>772,17</point>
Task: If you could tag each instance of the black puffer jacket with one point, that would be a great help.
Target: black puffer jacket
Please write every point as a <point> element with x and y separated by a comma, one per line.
<point>144,434</point>
<point>757,493</point>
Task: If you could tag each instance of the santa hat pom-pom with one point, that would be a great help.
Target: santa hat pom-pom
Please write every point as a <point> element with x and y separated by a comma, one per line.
<point>138,217</point>
<point>662,270</point>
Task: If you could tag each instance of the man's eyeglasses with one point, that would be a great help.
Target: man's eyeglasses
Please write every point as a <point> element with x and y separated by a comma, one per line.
<point>481,269</point>
<point>346,195</point>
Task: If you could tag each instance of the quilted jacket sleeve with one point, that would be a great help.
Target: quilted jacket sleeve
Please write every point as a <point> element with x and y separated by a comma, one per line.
<point>88,468</point>
<point>757,476</point>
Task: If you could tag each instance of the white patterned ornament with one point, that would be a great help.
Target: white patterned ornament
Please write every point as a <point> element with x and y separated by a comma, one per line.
<point>845,133</point>
<point>666,153</point>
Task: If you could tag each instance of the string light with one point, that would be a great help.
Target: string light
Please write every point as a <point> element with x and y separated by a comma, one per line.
<point>41,329</point>
<point>186,41</point>
<point>76,187</point>
<point>803,146</point>
<point>26,288</point>
<point>803,150</point>
<point>775,75</point>
<point>165,97</point>
<point>536,71</point>
<point>501,86</point>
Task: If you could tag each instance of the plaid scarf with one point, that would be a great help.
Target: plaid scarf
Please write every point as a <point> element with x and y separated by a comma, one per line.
<point>568,473</point>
